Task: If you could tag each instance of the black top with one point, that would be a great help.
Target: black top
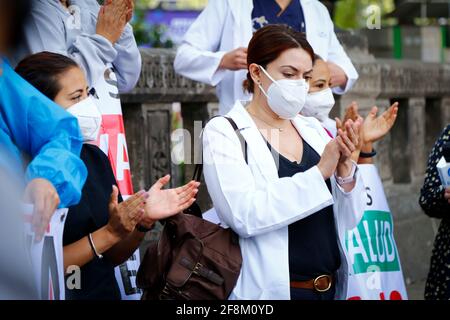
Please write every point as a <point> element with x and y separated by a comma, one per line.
<point>432,198</point>
<point>313,247</point>
<point>97,277</point>
<point>435,205</point>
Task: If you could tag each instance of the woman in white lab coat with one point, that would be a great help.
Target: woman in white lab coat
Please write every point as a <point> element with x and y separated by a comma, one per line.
<point>293,198</point>
<point>214,48</point>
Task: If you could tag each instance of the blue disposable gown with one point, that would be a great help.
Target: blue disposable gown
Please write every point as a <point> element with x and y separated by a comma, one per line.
<point>33,125</point>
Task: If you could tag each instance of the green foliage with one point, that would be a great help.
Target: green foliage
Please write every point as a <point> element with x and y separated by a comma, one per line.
<point>145,34</point>
<point>140,26</point>
<point>354,14</point>
<point>156,36</point>
<point>346,14</point>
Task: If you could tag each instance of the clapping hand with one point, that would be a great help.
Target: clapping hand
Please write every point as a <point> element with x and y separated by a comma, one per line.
<point>375,128</point>
<point>351,113</point>
<point>337,152</point>
<point>130,6</point>
<point>164,203</point>
<point>124,216</point>
<point>348,138</point>
<point>112,18</point>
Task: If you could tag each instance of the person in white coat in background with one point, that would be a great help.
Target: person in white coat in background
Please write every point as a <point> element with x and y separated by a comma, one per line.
<point>100,40</point>
<point>214,49</point>
<point>296,192</point>
<point>93,36</point>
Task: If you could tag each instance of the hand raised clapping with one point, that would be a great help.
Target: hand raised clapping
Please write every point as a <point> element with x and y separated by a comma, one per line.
<point>337,153</point>
<point>113,17</point>
<point>124,216</point>
<point>164,203</point>
<point>374,127</point>
<point>348,140</point>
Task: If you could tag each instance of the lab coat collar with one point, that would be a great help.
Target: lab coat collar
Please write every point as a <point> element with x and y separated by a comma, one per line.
<point>303,2</point>
<point>257,146</point>
<point>308,128</point>
<point>240,115</point>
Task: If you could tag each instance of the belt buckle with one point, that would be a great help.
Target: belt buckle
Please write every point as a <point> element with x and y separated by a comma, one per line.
<point>197,268</point>
<point>316,280</point>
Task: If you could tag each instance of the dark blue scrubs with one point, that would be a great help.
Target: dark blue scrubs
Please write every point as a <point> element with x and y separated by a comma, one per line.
<point>266,12</point>
<point>313,244</point>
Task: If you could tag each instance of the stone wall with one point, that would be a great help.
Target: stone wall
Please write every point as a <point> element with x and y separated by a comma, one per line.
<point>423,90</point>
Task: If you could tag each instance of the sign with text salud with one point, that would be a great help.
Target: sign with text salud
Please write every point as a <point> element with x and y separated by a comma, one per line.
<point>47,255</point>
<point>112,141</point>
<point>375,271</point>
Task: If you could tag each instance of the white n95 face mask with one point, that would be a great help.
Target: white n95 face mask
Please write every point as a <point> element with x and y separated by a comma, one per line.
<point>319,104</point>
<point>286,97</point>
<point>89,118</point>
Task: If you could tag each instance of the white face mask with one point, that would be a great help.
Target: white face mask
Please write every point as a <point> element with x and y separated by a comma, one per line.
<point>286,97</point>
<point>89,118</point>
<point>319,104</point>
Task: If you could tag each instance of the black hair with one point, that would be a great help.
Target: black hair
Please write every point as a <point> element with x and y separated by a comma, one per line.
<point>43,70</point>
<point>317,58</point>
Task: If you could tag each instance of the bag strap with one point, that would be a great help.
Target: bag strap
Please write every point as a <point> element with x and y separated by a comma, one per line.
<point>198,171</point>
<point>241,138</point>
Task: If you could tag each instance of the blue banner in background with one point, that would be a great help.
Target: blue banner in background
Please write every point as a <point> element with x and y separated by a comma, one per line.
<point>175,22</point>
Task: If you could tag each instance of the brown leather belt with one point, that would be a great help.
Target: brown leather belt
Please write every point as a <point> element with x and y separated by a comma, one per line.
<point>320,284</point>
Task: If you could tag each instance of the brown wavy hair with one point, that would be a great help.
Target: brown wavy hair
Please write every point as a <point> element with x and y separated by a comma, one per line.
<point>43,70</point>
<point>269,42</point>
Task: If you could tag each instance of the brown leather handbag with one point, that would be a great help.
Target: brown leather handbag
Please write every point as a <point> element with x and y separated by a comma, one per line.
<point>194,259</point>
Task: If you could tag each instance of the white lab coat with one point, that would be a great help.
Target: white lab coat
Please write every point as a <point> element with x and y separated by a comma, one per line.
<point>225,25</point>
<point>51,27</point>
<point>330,125</point>
<point>259,206</point>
